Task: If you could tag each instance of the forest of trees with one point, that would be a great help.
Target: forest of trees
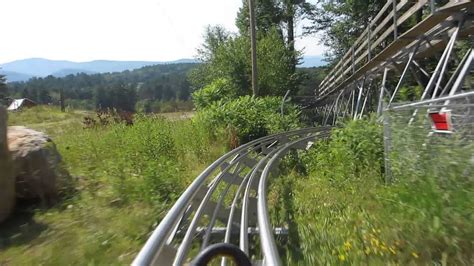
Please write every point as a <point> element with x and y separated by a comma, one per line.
<point>160,88</point>
<point>152,88</point>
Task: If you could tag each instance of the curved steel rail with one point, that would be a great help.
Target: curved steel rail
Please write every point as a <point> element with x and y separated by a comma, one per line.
<point>247,167</point>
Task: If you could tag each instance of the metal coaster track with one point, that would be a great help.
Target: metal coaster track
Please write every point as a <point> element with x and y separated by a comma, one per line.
<point>208,211</point>
<point>246,168</point>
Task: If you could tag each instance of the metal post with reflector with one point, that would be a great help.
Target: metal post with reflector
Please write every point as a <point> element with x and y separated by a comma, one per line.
<point>441,121</point>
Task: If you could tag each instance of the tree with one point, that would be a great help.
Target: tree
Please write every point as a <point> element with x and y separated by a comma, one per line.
<point>231,61</point>
<point>214,37</point>
<point>281,15</point>
<point>276,66</point>
<point>228,58</point>
<point>43,96</point>
<point>102,101</point>
<point>3,89</point>
<point>183,92</point>
<point>168,94</point>
<point>268,14</point>
<point>342,22</point>
<point>312,77</point>
<point>124,97</point>
<point>292,11</point>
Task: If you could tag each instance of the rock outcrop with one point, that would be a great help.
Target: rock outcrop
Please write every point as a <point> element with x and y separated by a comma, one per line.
<point>36,164</point>
<point>7,180</point>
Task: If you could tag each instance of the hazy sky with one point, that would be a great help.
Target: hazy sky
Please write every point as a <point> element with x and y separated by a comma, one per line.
<point>83,30</point>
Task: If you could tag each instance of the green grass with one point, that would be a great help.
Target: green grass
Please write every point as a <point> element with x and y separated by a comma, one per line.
<point>333,199</point>
<point>48,119</point>
<point>126,177</point>
<point>342,212</point>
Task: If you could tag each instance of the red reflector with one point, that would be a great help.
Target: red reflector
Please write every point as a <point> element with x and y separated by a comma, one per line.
<point>441,121</point>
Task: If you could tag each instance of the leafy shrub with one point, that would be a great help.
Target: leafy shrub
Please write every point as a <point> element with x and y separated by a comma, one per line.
<point>354,150</point>
<point>411,93</point>
<point>248,117</point>
<point>219,89</point>
<point>108,116</point>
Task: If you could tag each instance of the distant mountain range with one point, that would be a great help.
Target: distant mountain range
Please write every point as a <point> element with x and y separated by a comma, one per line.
<point>15,76</point>
<point>22,70</point>
<point>313,61</point>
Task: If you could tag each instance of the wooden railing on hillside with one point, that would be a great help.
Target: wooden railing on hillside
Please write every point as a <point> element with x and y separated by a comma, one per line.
<point>384,38</point>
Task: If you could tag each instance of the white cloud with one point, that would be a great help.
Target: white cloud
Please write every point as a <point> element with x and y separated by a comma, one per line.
<point>82,30</point>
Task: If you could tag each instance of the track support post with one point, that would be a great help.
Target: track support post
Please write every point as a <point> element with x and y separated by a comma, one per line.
<point>387,141</point>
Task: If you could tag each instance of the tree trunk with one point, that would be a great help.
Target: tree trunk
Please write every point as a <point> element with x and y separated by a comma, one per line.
<point>61,99</point>
<point>253,39</point>
<point>7,181</point>
<point>291,32</point>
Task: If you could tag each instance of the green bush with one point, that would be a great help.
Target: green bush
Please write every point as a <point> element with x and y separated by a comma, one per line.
<point>219,89</point>
<point>249,118</point>
<point>411,93</point>
<point>354,149</point>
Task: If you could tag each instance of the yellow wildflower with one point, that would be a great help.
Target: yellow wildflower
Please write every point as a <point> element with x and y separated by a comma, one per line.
<point>367,251</point>
<point>375,242</point>
<point>414,255</point>
<point>347,245</point>
<point>342,257</point>
<point>393,250</point>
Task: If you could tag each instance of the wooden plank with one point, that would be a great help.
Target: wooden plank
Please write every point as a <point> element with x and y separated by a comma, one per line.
<point>340,67</point>
<point>410,12</point>
<point>419,4</point>
<point>431,21</point>
<point>382,11</point>
<point>440,44</point>
<point>400,21</point>
<point>362,36</point>
<point>435,45</point>
<point>387,19</point>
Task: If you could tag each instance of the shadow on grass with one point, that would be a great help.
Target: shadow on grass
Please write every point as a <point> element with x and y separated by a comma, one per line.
<point>20,228</point>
